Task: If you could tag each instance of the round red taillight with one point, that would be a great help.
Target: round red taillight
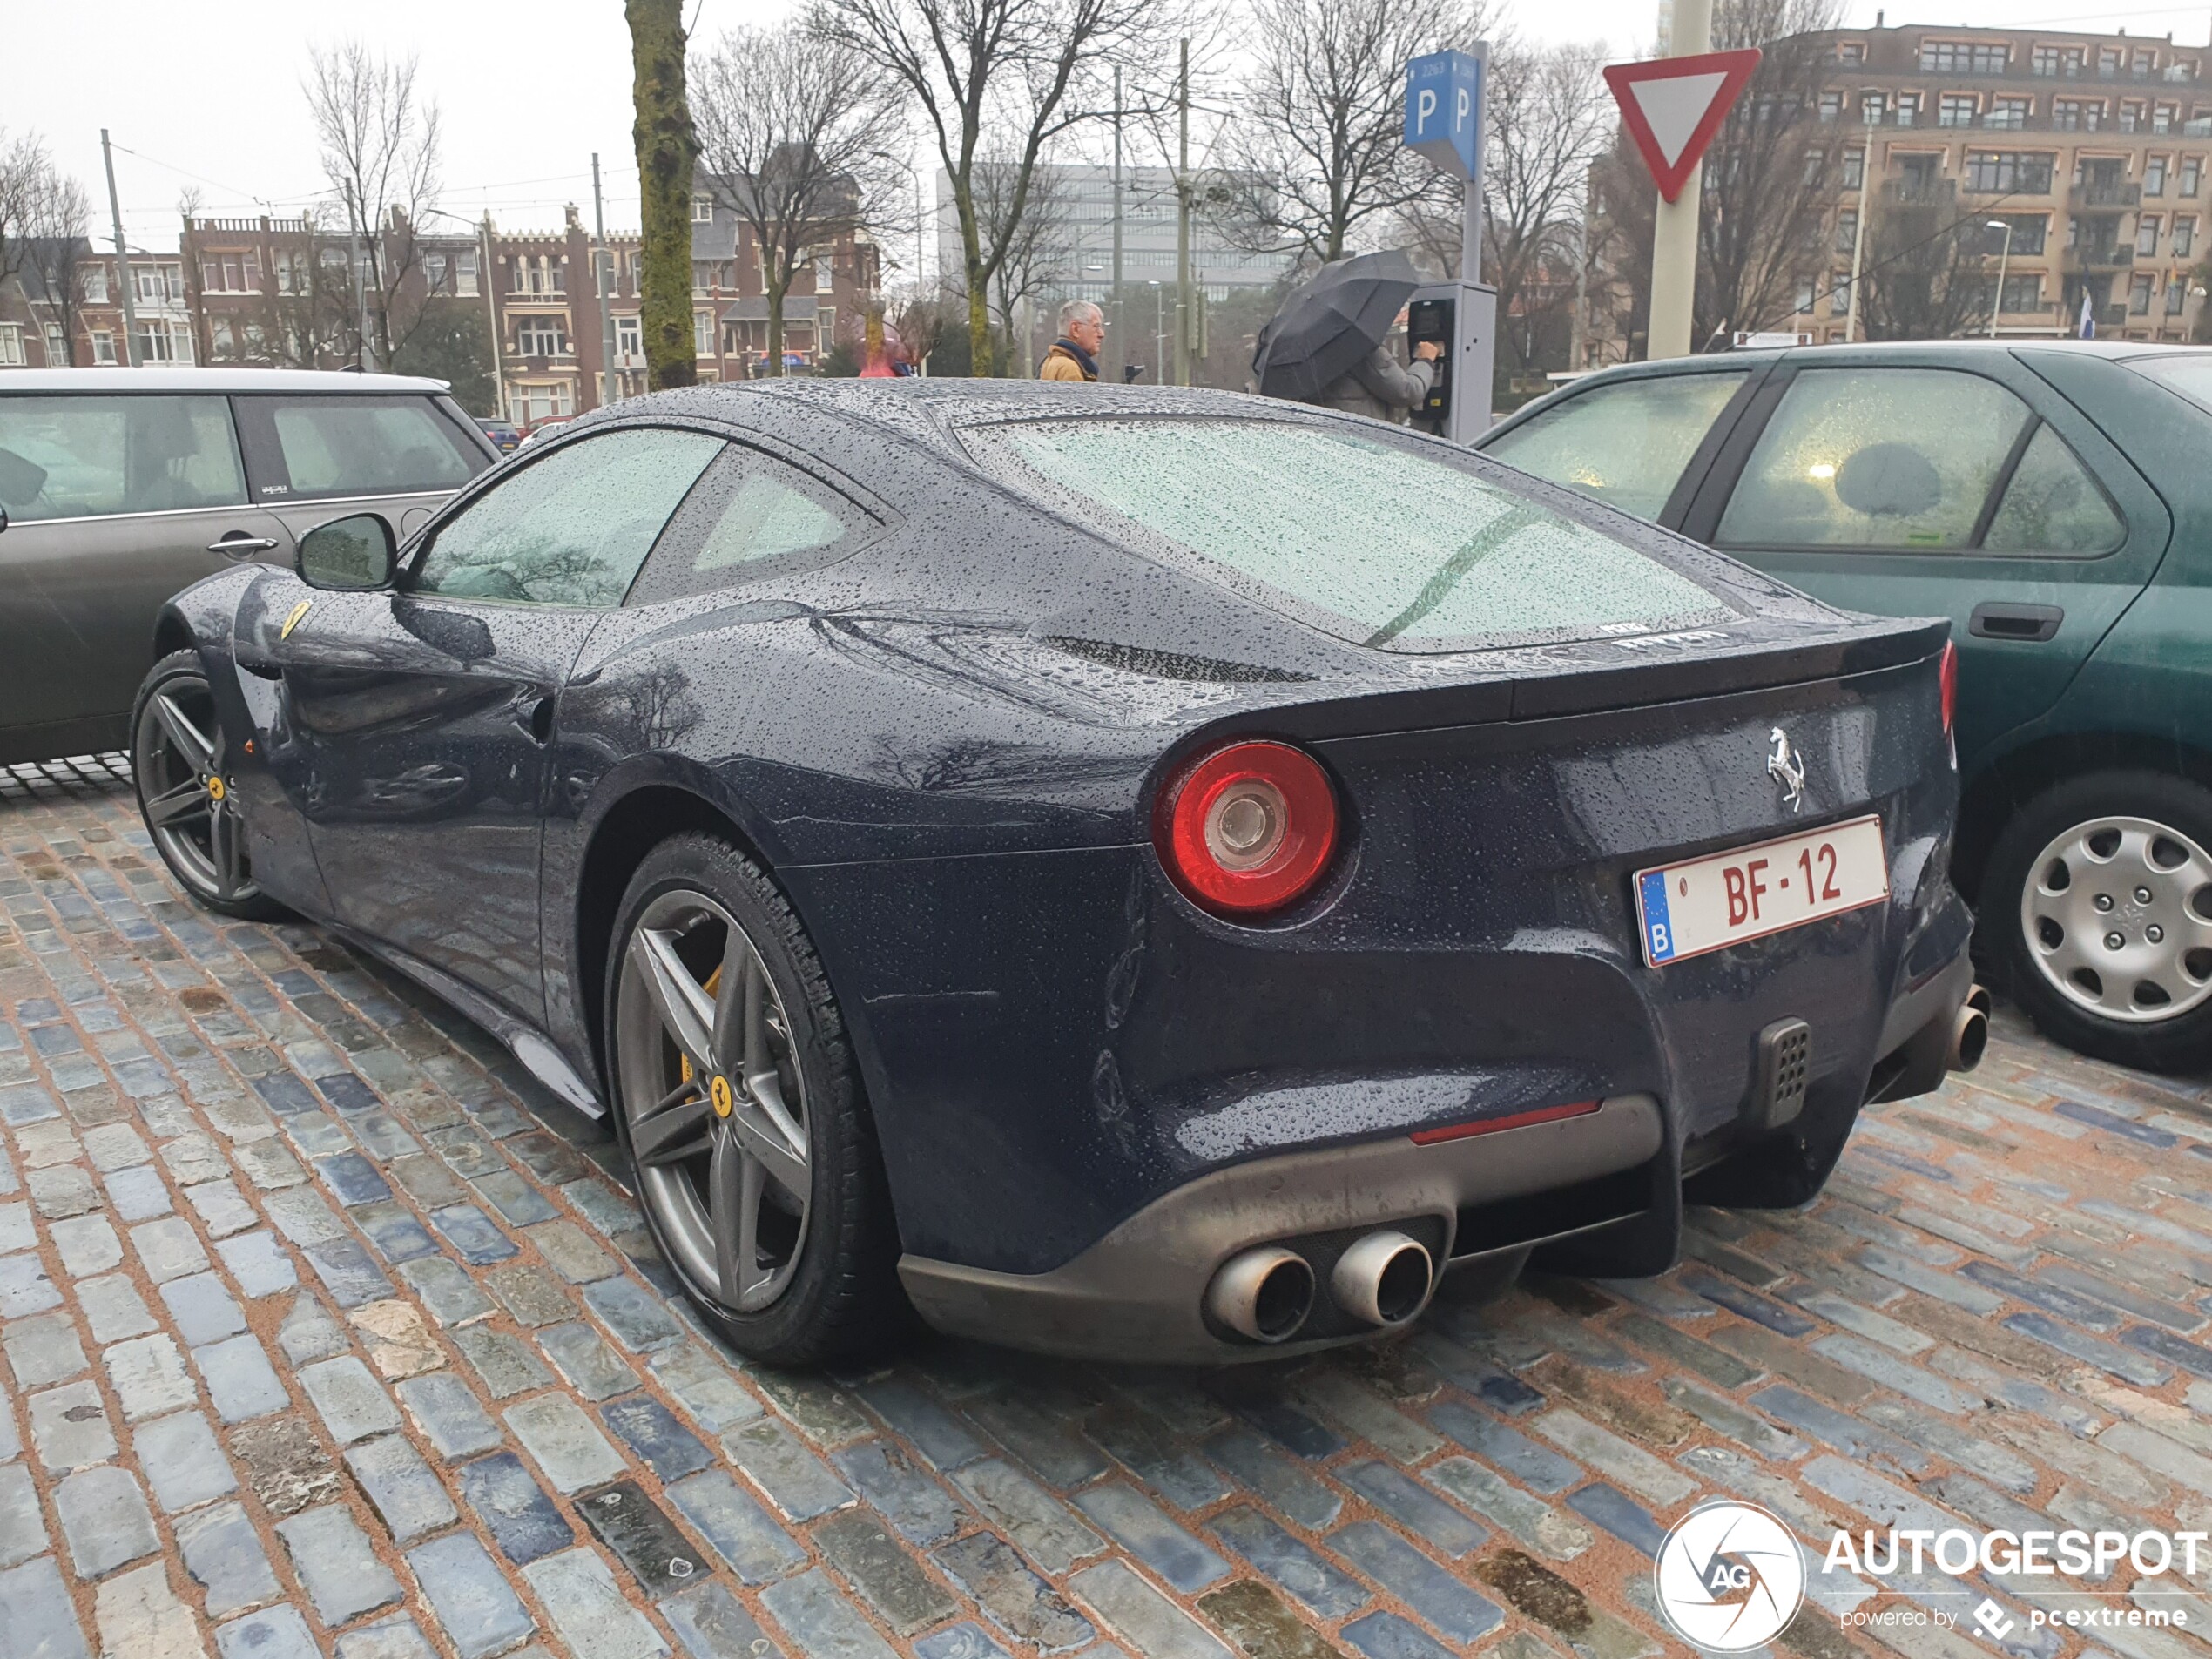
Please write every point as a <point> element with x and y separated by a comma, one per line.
<point>1249,827</point>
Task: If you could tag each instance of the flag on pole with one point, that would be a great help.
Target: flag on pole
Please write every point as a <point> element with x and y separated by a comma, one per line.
<point>2087,327</point>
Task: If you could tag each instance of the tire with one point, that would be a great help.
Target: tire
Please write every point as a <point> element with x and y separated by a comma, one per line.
<point>179,757</point>
<point>2097,904</point>
<point>747,1104</point>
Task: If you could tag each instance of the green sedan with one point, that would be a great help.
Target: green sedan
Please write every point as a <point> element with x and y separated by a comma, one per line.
<point>2054,500</point>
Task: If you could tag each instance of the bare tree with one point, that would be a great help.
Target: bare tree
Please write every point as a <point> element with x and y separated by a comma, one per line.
<point>918,315</point>
<point>55,257</point>
<point>798,137</point>
<point>1771,179</point>
<point>993,78</point>
<point>1928,275</point>
<point>23,167</point>
<point>1037,243</point>
<point>380,141</point>
<point>1316,149</point>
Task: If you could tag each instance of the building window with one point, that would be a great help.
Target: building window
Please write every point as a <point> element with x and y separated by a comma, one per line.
<point>1958,110</point>
<point>103,347</point>
<point>96,285</point>
<point>57,346</point>
<point>464,272</point>
<point>2022,293</point>
<point>230,273</point>
<point>825,274</point>
<point>2028,232</point>
<point>2162,117</point>
<point>2192,174</point>
<point>2107,60</point>
<point>164,343</point>
<point>2142,63</point>
<point>2010,112</point>
<point>2176,294</point>
<point>1850,51</point>
<point>2077,115</point>
<point>2154,175</point>
<point>2139,292</point>
<point>2056,60</point>
<point>10,344</point>
<point>1960,57</point>
<point>2008,172</point>
<point>1831,106</point>
<point>1908,109</point>
<point>1839,297</point>
<point>702,334</point>
<point>529,404</point>
<point>1873,106</point>
<point>540,337</point>
<point>1847,230</point>
<point>2146,236</point>
<point>1805,296</point>
<point>1854,169</point>
<point>701,210</point>
<point>628,340</point>
<point>2184,234</point>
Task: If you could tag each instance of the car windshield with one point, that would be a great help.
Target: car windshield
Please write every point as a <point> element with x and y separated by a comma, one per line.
<point>1387,543</point>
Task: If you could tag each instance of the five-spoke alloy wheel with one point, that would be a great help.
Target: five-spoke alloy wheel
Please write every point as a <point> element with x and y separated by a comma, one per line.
<point>2106,883</point>
<point>737,1097</point>
<point>180,759</point>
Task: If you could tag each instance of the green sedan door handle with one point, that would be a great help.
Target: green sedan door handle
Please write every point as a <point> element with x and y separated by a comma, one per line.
<point>2034,624</point>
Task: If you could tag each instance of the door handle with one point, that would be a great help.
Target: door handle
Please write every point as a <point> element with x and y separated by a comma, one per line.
<point>2034,623</point>
<point>239,543</point>
<point>536,714</point>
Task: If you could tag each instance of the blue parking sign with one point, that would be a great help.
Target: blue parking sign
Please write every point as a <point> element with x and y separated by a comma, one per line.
<point>1444,109</point>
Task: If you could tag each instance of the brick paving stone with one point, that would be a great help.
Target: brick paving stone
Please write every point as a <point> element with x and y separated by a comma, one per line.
<point>1011,1595</point>
<point>821,1624</point>
<point>736,1527</point>
<point>1315,1581</point>
<point>1261,1625</point>
<point>241,1381</point>
<point>1036,1523</point>
<point>567,1446</point>
<point>589,1366</point>
<point>637,1317</point>
<point>501,1359</point>
<point>1138,1526</point>
<point>1437,1598</point>
<point>274,1633</point>
<point>399,1486</point>
<point>105,1520</point>
<point>450,1417</point>
<point>395,1637</point>
<point>204,1309</point>
<point>88,1244</point>
<point>474,1606</point>
<point>36,1611</point>
<point>446,1289</point>
<point>1151,1624</point>
<point>69,1426</point>
<point>23,1529</point>
<point>888,1578</point>
<point>149,1377</point>
<point>892,1482</point>
<point>136,1613</point>
<point>655,1437</point>
<point>337,1564</point>
<point>704,1386</point>
<point>712,1623</point>
<point>572,1252</point>
<point>184,1462</point>
<point>580,1596</point>
<point>351,1402</point>
<point>398,1339</point>
<point>114,1309</point>
<point>223,1554</point>
<point>43,1350</point>
<point>795,1481</point>
<point>521,1518</point>
<point>168,1248</point>
<point>642,1537</point>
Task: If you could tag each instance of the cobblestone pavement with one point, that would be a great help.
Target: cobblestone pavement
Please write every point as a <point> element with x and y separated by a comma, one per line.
<point>326,1332</point>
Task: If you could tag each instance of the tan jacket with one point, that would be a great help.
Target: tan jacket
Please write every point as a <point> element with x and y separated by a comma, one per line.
<point>1059,366</point>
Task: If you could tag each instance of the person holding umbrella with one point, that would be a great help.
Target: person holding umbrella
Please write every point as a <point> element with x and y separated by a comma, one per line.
<point>1325,344</point>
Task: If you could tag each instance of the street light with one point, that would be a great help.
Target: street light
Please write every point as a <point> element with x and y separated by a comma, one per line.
<point>2003,259</point>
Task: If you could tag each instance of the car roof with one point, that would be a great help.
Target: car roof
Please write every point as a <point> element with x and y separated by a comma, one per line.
<point>1978,347</point>
<point>106,382</point>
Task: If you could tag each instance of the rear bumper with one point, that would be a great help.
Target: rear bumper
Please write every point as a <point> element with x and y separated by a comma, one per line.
<point>1137,1293</point>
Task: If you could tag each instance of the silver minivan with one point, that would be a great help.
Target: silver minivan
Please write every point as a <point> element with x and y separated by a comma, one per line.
<point>121,487</point>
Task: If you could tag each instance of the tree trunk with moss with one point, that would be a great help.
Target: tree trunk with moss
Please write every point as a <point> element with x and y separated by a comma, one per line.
<point>667,151</point>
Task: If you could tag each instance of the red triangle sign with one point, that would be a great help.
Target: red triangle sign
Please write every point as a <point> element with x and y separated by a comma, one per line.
<point>1672,106</point>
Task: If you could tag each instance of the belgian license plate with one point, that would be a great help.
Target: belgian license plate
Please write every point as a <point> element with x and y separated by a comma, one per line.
<point>1685,910</point>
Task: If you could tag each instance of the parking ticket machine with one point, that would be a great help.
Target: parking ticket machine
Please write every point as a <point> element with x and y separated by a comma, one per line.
<point>1461,317</point>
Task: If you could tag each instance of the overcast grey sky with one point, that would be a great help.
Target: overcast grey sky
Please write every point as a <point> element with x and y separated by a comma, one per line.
<point>212,100</point>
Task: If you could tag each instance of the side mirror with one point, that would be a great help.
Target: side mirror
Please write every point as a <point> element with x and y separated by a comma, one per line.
<point>355,555</point>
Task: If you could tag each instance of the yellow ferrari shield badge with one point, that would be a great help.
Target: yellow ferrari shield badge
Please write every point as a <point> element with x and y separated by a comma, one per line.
<point>293,620</point>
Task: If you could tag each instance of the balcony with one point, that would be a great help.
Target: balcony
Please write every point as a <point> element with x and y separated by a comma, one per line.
<point>2100,192</point>
<point>2116,257</point>
<point>1919,192</point>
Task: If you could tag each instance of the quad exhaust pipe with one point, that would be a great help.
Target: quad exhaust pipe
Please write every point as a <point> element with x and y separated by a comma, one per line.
<point>1969,1032</point>
<point>1266,1293</point>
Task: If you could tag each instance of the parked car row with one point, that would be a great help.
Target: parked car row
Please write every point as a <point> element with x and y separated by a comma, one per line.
<point>2052,500</point>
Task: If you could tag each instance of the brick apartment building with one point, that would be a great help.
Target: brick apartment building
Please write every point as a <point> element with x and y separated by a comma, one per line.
<point>38,330</point>
<point>282,291</point>
<point>2095,149</point>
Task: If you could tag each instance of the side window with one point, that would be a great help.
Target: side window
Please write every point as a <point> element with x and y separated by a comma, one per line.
<point>308,449</point>
<point>1878,458</point>
<point>570,528</point>
<point>69,456</point>
<point>751,515</point>
<point>1624,444</point>
<point>2051,505</point>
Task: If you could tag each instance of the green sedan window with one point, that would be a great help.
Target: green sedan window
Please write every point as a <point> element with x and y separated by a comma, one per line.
<point>1625,444</point>
<point>1876,458</point>
<point>2051,505</point>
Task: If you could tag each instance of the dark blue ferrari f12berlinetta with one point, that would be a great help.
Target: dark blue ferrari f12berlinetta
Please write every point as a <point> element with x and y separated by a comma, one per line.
<point>1163,876</point>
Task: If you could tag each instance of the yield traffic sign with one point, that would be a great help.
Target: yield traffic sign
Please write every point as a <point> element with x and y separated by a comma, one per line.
<point>1673,107</point>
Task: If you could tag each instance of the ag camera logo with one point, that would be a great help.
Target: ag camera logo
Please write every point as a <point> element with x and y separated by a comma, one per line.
<point>1729,1577</point>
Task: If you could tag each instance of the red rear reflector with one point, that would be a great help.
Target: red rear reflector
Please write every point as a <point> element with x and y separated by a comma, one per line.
<point>1512,1120</point>
<point>1947,677</point>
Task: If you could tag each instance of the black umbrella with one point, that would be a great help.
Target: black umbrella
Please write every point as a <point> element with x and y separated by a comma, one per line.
<point>1327,327</point>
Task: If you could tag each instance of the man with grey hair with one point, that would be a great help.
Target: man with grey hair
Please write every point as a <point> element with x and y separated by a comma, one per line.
<point>1074,356</point>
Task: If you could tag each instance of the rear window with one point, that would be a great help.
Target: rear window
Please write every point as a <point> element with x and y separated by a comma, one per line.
<point>73,457</point>
<point>309,448</point>
<point>2188,374</point>
<point>1384,543</point>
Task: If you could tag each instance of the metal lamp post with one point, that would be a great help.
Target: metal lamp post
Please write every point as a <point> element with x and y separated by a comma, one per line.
<point>2004,258</point>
